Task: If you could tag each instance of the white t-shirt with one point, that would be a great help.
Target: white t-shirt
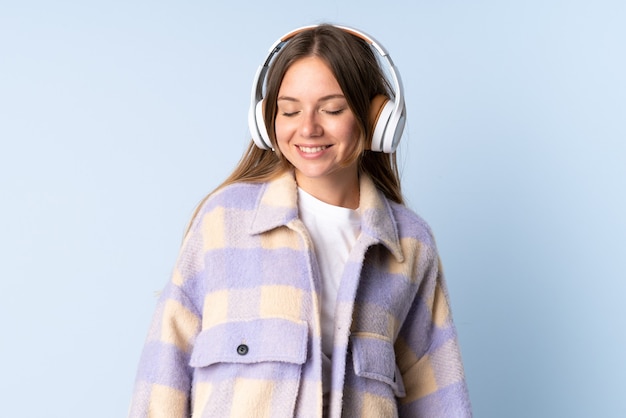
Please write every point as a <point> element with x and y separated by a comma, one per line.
<point>334,230</point>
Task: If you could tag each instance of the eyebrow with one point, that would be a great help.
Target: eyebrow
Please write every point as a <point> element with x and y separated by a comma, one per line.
<point>322,99</point>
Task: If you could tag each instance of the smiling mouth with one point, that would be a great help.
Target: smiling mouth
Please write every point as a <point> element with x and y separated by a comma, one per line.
<point>311,150</point>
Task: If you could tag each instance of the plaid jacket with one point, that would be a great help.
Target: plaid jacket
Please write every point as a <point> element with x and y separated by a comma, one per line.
<point>236,331</point>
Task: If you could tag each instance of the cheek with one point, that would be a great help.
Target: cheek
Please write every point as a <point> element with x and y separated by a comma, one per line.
<point>352,134</point>
<point>282,136</point>
<point>281,129</point>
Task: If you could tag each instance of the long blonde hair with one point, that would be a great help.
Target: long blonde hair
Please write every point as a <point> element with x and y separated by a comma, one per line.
<point>356,68</point>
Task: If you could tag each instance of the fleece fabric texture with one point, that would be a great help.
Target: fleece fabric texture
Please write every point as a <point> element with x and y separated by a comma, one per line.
<point>236,332</point>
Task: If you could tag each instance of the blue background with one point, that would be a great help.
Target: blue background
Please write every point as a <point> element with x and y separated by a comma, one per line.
<point>116,118</point>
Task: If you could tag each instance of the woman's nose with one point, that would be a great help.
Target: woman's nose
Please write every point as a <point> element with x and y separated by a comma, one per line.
<point>310,125</point>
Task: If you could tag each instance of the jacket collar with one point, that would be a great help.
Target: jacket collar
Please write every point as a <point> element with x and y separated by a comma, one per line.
<point>277,206</point>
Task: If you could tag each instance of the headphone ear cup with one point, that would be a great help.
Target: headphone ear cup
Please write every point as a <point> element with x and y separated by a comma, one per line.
<point>263,139</point>
<point>394,130</point>
<point>380,112</point>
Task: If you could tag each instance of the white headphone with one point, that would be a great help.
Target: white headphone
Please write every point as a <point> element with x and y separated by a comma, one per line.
<point>387,116</point>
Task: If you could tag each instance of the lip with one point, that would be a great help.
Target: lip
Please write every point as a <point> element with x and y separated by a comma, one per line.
<point>312,151</point>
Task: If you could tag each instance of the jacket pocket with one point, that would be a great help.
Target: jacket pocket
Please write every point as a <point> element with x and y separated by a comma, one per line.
<point>249,368</point>
<point>251,341</point>
<point>374,358</point>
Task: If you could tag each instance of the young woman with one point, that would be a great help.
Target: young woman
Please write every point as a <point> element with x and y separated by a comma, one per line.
<point>304,286</point>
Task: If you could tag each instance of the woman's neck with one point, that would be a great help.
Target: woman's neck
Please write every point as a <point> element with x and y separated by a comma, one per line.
<point>341,190</point>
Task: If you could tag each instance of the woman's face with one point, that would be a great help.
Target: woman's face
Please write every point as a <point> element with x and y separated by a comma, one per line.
<point>315,128</point>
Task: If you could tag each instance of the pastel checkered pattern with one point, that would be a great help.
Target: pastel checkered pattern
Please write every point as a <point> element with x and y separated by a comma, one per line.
<point>236,331</point>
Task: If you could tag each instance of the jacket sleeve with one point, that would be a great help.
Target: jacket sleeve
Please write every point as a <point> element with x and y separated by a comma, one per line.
<point>163,383</point>
<point>427,350</point>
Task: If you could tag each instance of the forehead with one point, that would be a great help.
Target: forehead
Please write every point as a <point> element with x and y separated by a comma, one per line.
<point>309,74</point>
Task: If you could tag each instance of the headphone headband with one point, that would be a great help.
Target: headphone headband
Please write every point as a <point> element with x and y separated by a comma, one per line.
<point>388,127</point>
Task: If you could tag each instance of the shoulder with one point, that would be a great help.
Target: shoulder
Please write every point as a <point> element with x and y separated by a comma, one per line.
<point>236,197</point>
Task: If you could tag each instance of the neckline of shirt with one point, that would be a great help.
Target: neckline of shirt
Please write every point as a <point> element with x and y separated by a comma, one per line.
<point>311,204</point>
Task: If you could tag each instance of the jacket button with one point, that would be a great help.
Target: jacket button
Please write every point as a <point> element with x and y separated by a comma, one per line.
<point>242,349</point>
